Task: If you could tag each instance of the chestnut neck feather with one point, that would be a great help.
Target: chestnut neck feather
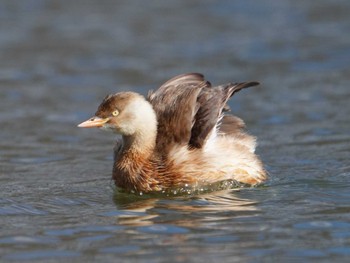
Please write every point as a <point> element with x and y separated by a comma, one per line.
<point>139,147</point>
<point>139,143</point>
<point>135,157</point>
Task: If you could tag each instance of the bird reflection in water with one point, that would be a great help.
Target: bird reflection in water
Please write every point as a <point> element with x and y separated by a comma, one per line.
<point>185,211</point>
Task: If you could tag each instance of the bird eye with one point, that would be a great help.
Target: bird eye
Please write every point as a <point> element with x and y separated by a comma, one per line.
<point>115,113</point>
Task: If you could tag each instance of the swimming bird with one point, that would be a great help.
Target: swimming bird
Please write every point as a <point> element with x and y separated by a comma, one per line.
<point>180,135</point>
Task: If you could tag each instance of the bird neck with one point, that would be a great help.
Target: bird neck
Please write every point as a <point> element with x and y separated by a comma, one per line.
<point>137,151</point>
<point>143,139</point>
<point>133,162</point>
<point>141,143</point>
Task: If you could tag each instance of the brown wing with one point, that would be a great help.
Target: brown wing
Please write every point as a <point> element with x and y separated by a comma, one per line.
<point>212,102</point>
<point>175,104</point>
<point>188,109</point>
<point>190,79</point>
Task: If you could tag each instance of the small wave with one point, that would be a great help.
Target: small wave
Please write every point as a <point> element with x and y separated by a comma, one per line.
<point>187,190</point>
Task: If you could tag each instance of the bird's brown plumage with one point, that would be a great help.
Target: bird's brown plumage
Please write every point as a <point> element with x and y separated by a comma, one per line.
<point>181,135</point>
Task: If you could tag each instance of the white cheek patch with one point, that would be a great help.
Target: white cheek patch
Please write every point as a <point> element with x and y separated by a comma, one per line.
<point>123,129</point>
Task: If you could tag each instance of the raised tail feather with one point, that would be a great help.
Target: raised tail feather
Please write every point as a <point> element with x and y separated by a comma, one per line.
<point>212,102</point>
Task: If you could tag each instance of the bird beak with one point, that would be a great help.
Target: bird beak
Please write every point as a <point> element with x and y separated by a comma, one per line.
<point>94,122</point>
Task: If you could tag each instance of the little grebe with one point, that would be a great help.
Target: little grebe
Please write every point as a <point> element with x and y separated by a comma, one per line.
<point>181,135</point>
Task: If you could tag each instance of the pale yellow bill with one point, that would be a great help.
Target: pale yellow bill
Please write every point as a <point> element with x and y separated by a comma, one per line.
<point>94,122</point>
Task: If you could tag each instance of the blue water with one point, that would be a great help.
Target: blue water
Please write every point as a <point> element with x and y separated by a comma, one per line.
<point>58,59</point>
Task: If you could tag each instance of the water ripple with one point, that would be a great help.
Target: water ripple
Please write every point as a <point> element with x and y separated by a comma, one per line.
<point>41,254</point>
<point>163,229</point>
<point>85,229</point>
<point>20,209</point>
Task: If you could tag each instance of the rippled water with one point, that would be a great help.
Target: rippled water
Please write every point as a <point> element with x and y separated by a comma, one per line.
<point>58,59</point>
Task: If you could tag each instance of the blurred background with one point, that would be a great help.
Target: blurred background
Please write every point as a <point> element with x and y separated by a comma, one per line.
<point>58,60</point>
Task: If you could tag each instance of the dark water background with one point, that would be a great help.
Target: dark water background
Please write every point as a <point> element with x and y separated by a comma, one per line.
<point>58,59</point>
